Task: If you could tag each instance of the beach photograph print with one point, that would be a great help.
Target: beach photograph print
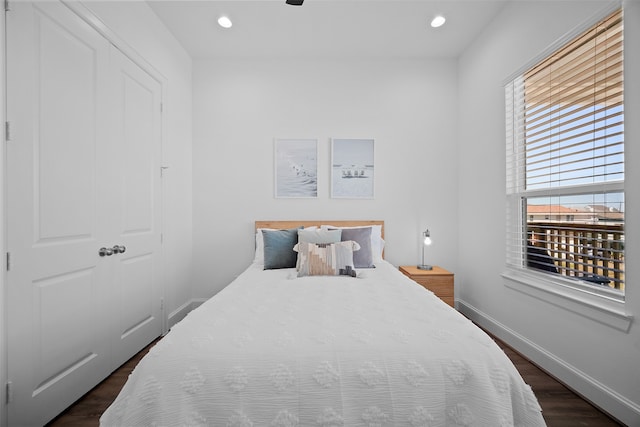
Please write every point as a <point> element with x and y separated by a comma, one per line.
<point>352,170</point>
<point>296,168</point>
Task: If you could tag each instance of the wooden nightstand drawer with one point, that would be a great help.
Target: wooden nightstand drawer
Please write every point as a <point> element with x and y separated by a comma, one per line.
<point>439,281</point>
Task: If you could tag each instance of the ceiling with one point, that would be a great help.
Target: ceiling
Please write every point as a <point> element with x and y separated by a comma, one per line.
<point>326,28</point>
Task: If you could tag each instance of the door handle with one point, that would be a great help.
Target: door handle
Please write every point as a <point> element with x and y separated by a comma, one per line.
<point>105,251</point>
<point>119,249</point>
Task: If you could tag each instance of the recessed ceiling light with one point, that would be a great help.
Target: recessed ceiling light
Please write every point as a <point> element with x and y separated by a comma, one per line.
<point>438,21</point>
<point>225,22</point>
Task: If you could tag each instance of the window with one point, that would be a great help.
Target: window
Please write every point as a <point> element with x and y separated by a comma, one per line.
<point>565,161</point>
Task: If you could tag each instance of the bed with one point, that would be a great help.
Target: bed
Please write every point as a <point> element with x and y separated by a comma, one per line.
<point>286,347</point>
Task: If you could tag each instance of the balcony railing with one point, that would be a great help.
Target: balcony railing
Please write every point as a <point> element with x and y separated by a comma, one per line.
<point>590,252</point>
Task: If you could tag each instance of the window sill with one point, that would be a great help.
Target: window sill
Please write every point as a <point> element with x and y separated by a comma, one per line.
<point>605,307</point>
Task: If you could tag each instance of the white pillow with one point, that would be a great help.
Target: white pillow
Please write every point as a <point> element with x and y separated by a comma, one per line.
<point>377,242</point>
<point>259,257</point>
<point>319,235</point>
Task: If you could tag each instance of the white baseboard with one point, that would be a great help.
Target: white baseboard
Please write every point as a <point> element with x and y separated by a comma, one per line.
<point>196,302</point>
<point>598,394</point>
<point>179,313</point>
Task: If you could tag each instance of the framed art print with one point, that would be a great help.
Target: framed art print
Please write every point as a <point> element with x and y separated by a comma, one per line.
<point>296,168</point>
<point>352,168</point>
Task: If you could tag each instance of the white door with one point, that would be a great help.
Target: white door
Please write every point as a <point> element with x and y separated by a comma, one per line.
<point>136,214</point>
<point>73,187</point>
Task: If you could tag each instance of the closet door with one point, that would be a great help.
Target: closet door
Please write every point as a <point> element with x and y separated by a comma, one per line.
<point>136,212</point>
<point>58,286</point>
<point>83,209</point>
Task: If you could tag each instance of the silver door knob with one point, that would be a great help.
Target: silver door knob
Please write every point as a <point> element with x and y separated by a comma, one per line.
<point>119,249</point>
<point>105,252</point>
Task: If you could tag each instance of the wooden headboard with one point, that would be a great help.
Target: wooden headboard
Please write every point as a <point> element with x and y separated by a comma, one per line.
<point>281,225</point>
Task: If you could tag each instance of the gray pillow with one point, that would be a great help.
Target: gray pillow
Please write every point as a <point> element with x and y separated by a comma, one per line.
<point>278,248</point>
<point>362,235</point>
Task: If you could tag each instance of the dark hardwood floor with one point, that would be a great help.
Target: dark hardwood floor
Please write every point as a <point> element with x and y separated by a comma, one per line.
<point>87,410</point>
<point>561,407</point>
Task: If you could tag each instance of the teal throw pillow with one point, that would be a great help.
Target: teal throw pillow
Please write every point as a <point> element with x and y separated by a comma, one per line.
<point>278,248</point>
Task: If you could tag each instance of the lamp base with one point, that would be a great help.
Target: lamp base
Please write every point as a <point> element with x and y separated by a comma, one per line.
<point>425,267</point>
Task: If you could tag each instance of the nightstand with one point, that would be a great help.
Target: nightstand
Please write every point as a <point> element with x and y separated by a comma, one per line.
<point>439,281</point>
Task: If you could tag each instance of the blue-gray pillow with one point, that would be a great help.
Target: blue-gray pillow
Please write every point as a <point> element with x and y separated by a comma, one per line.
<point>362,235</point>
<point>278,248</point>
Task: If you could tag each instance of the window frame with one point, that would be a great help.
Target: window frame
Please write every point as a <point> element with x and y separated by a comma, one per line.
<point>597,302</point>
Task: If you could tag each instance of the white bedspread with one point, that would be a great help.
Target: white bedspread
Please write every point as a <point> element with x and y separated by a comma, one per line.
<point>276,350</point>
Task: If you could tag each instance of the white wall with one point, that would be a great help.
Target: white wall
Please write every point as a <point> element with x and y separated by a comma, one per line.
<point>3,353</point>
<point>599,361</point>
<point>138,26</point>
<point>240,106</point>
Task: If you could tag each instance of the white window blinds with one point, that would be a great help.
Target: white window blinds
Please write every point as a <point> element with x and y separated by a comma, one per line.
<point>565,159</point>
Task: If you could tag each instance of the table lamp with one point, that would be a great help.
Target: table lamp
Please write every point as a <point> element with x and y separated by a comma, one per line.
<point>425,242</point>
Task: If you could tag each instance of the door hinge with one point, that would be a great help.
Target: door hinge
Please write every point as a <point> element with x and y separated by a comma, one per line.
<point>8,261</point>
<point>7,131</point>
<point>6,6</point>
<point>9,391</point>
<point>162,169</point>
